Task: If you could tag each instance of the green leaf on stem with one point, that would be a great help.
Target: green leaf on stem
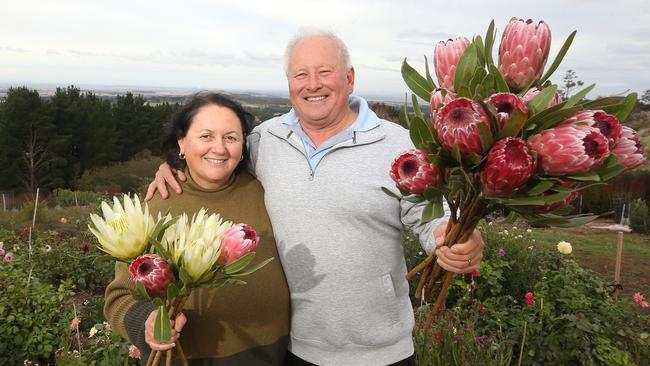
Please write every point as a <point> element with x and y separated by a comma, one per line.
<point>539,187</point>
<point>466,66</point>
<point>140,292</point>
<point>579,95</point>
<point>514,124</point>
<point>628,106</point>
<point>590,176</point>
<point>480,51</point>
<point>427,73</point>
<point>487,140</point>
<point>558,58</point>
<point>239,264</point>
<point>456,154</point>
<point>224,281</point>
<point>391,193</point>
<point>416,107</point>
<point>489,43</point>
<point>172,291</point>
<point>162,332</point>
<point>501,85</point>
<point>476,81</point>
<point>610,168</point>
<point>420,133</point>
<point>541,100</point>
<point>253,269</point>
<point>418,84</point>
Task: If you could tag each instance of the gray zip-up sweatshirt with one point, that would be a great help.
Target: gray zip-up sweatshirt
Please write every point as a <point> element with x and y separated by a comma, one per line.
<point>339,240</point>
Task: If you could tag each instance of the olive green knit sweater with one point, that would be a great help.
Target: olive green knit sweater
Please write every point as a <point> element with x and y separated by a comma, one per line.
<point>231,325</point>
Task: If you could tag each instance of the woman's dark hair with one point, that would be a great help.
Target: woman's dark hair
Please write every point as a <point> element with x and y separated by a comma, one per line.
<point>182,119</point>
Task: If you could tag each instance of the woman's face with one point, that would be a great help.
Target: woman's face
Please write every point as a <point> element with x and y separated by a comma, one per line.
<point>213,146</point>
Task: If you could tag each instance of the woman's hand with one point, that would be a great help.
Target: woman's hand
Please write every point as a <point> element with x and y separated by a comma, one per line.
<point>176,326</point>
<point>165,174</point>
<point>460,257</point>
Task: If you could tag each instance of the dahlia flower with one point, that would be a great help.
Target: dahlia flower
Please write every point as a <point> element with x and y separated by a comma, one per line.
<point>523,52</point>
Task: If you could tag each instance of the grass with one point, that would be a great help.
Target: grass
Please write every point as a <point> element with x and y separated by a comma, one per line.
<point>595,249</point>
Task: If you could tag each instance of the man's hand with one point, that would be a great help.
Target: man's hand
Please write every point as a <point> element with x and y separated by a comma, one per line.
<point>165,174</point>
<point>176,325</point>
<point>460,257</point>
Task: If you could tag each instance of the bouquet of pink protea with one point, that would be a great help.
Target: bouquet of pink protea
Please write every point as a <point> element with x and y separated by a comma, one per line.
<point>170,256</point>
<point>501,136</point>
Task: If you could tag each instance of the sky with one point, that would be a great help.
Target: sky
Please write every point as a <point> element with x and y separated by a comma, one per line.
<point>239,45</point>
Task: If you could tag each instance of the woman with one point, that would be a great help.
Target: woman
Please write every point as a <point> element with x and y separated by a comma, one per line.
<point>230,325</point>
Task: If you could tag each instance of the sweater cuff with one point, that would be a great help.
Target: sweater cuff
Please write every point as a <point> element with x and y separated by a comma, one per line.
<point>134,321</point>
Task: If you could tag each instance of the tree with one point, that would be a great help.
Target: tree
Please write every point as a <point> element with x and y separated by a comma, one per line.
<point>570,81</point>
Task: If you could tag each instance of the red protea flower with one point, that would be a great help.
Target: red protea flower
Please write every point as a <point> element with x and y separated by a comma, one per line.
<point>607,124</point>
<point>570,149</point>
<point>529,298</point>
<point>457,123</point>
<point>506,104</point>
<point>508,166</point>
<point>532,92</point>
<point>236,242</point>
<point>154,273</point>
<point>438,100</point>
<point>445,59</point>
<point>413,171</point>
<point>523,52</point>
<point>628,149</point>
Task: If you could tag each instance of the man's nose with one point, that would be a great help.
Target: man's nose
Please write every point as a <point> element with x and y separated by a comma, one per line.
<point>313,82</point>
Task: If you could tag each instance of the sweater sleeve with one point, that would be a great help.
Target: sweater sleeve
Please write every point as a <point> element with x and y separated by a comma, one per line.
<point>412,217</point>
<point>125,314</point>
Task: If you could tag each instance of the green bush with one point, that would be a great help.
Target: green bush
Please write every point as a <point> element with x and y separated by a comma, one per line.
<point>66,198</point>
<point>33,316</point>
<point>639,216</point>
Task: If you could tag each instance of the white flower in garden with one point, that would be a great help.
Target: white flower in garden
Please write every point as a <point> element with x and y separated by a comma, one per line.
<point>63,220</point>
<point>564,247</point>
<point>92,332</point>
<point>194,245</point>
<point>529,230</point>
<point>48,248</point>
<point>124,231</point>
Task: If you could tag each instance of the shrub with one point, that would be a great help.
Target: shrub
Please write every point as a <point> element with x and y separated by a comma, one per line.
<point>639,216</point>
<point>66,197</point>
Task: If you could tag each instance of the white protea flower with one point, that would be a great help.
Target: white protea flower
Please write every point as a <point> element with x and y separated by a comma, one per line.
<point>194,244</point>
<point>124,230</point>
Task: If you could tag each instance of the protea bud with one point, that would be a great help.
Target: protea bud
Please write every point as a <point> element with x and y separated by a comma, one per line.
<point>445,58</point>
<point>532,92</point>
<point>154,273</point>
<point>413,171</point>
<point>628,149</point>
<point>457,123</point>
<point>523,52</point>
<point>506,104</point>
<point>570,149</point>
<point>607,124</point>
<point>236,242</point>
<point>508,166</point>
<point>439,98</point>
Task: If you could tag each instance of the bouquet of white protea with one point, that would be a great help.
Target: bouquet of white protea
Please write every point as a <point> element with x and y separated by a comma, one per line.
<point>500,136</point>
<point>170,256</point>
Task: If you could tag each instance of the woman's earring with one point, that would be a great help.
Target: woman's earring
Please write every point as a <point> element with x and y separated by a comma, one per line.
<point>181,156</point>
<point>241,158</point>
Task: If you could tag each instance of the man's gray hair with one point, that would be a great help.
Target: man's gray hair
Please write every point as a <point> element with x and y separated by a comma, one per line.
<point>304,33</point>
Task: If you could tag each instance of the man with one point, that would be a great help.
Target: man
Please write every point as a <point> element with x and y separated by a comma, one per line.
<point>322,166</point>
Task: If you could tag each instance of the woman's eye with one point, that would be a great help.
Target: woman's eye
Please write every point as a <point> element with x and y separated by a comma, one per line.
<point>232,139</point>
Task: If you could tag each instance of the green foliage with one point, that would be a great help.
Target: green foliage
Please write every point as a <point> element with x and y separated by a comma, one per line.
<point>102,347</point>
<point>33,316</point>
<point>639,218</point>
<point>66,197</point>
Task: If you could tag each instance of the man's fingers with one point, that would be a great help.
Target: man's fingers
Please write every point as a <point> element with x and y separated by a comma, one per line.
<point>180,321</point>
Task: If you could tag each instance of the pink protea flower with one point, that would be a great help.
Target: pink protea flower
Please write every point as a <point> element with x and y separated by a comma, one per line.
<point>529,298</point>
<point>445,59</point>
<point>508,167</point>
<point>607,124</point>
<point>134,352</point>
<point>457,123</point>
<point>628,149</point>
<point>532,92</point>
<point>9,257</point>
<point>438,100</point>
<point>640,299</point>
<point>154,273</point>
<point>413,171</point>
<point>569,149</point>
<point>523,52</point>
<point>506,104</point>
<point>236,242</point>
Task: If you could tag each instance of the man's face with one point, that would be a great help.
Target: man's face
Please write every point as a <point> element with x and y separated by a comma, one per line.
<point>319,84</point>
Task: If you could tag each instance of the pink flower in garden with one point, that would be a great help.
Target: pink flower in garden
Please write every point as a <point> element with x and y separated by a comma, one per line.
<point>506,104</point>
<point>475,273</point>
<point>413,171</point>
<point>569,149</point>
<point>482,308</point>
<point>607,124</point>
<point>446,56</point>
<point>134,352</point>
<point>438,100</point>
<point>74,324</point>
<point>47,248</point>
<point>236,242</point>
<point>458,123</point>
<point>502,252</point>
<point>639,299</point>
<point>523,52</point>
<point>532,92</point>
<point>529,298</point>
<point>508,167</point>
<point>628,149</point>
<point>9,257</point>
<point>154,273</point>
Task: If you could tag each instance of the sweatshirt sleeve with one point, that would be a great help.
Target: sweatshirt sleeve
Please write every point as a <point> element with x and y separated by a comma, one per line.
<point>124,313</point>
<point>412,218</point>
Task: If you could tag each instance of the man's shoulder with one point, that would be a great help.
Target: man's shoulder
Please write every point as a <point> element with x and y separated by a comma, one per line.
<point>269,123</point>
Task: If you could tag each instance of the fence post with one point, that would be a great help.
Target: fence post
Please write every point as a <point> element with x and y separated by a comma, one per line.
<point>617,271</point>
<point>4,203</point>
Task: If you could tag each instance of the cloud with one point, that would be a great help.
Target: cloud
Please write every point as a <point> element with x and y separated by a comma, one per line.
<point>14,49</point>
